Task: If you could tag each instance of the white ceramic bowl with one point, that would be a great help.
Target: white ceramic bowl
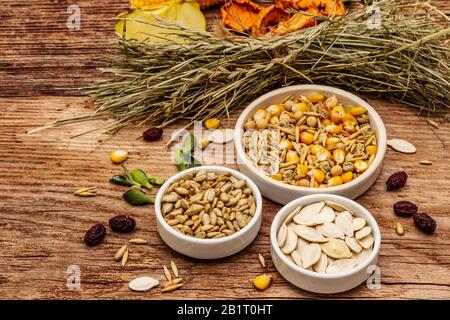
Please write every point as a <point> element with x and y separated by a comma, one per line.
<point>283,193</point>
<point>318,282</point>
<point>209,248</point>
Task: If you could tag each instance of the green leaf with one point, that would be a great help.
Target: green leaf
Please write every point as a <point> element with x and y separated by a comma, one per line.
<point>128,175</point>
<point>140,177</point>
<point>122,180</point>
<point>137,197</point>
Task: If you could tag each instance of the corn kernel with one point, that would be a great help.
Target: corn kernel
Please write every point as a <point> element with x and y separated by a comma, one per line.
<point>306,137</point>
<point>274,120</point>
<point>318,175</point>
<point>314,98</point>
<point>336,170</point>
<point>360,166</point>
<point>326,122</point>
<point>339,155</point>
<point>285,144</point>
<point>337,113</point>
<point>372,150</point>
<point>356,111</point>
<point>347,177</point>
<point>276,176</point>
<point>349,126</point>
<point>260,114</point>
<point>333,129</point>
<point>314,148</point>
<point>118,156</point>
<point>275,109</point>
<point>302,170</point>
<point>301,106</point>
<point>334,181</point>
<point>332,141</point>
<point>212,123</point>
<point>292,156</point>
<point>302,183</point>
<point>348,117</point>
<point>298,115</point>
<point>262,123</point>
<point>314,185</point>
<point>323,154</point>
<point>262,282</point>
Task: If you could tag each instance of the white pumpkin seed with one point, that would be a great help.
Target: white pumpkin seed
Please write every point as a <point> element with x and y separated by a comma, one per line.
<point>309,234</point>
<point>301,244</point>
<point>340,266</point>
<point>321,265</point>
<point>281,235</point>
<point>296,257</point>
<point>336,248</point>
<point>310,255</point>
<point>362,256</point>
<point>313,208</point>
<point>353,244</point>
<point>344,221</point>
<point>291,215</point>
<point>291,241</point>
<point>364,232</point>
<point>358,223</point>
<point>336,206</point>
<point>402,146</point>
<point>327,214</point>
<point>366,242</point>
<point>221,136</point>
<point>308,218</point>
<point>330,230</point>
<point>143,284</point>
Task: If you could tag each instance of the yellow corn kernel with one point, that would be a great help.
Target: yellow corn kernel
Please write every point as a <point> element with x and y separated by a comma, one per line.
<point>356,111</point>
<point>337,114</point>
<point>372,150</point>
<point>323,154</point>
<point>292,156</point>
<point>349,126</point>
<point>260,114</point>
<point>301,106</point>
<point>314,98</point>
<point>326,122</point>
<point>360,166</point>
<point>275,109</point>
<point>118,156</point>
<point>306,137</point>
<point>276,176</point>
<point>285,144</point>
<point>212,123</point>
<point>334,181</point>
<point>347,177</point>
<point>336,170</point>
<point>333,129</point>
<point>339,155</point>
<point>332,141</point>
<point>274,120</point>
<point>262,282</point>
<point>302,183</point>
<point>135,4</point>
<point>318,175</point>
<point>348,117</point>
<point>314,148</point>
<point>302,170</point>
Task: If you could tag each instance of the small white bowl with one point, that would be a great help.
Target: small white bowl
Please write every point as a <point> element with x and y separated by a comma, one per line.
<point>283,193</point>
<point>319,282</point>
<point>209,248</point>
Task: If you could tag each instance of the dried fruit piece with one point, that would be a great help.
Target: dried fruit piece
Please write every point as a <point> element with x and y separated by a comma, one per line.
<point>296,22</point>
<point>122,223</point>
<point>268,17</point>
<point>405,208</point>
<point>366,242</point>
<point>396,180</point>
<point>424,222</point>
<point>310,255</point>
<point>240,15</point>
<point>262,282</point>
<point>340,266</point>
<point>143,284</point>
<point>291,241</point>
<point>402,146</point>
<point>330,230</point>
<point>336,249</point>
<point>353,244</point>
<point>309,234</point>
<point>321,265</point>
<point>152,134</point>
<point>95,235</point>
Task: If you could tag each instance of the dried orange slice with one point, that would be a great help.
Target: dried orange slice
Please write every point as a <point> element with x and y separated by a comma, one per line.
<point>268,17</point>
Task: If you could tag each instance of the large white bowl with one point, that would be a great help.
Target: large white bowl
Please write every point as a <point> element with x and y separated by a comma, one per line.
<point>283,193</point>
<point>318,282</point>
<point>209,248</point>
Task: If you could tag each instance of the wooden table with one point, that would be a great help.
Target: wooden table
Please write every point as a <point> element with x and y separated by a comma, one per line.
<point>42,224</point>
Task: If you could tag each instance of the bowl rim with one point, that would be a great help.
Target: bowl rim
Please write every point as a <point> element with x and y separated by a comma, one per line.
<point>255,192</point>
<point>375,120</point>
<point>305,200</point>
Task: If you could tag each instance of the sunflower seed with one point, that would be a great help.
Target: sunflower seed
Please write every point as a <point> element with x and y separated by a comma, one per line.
<point>119,254</point>
<point>330,230</point>
<point>402,146</point>
<point>172,287</point>
<point>358,223</point>
<point>262,260</point>
<point>281,235</point>
<point>143,284</point>
<point>425,162</point>
<point>366,242</point>
<point>353,244</point>
<point>321,265</point>
<point>138,241</point>
<point>167,273</point>
<point>291,241</point>
<point>340,266</point>
<point>310,255</point>
<point>125,258</point>
<point>336,249</point>
<point>86,192</point>
<point>309,234</point>
<point>174,268</point>
<point>433,123</point>
<point>364,232</point>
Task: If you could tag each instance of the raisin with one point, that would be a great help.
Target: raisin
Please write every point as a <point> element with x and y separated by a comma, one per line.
<point>152,134</point>
<point>95,235</point>
<point>122,223</point>
<point>405,208</point>
<point>424,222</point>
<point>396,180</point>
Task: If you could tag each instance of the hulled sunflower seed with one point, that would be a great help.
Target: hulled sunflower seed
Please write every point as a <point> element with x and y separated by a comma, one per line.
<point>138,241</point>
<point>119,254</point>
<point>167,273</point>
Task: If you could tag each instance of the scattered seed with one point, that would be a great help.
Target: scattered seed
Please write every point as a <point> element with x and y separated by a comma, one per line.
<point>138,241</point>
<point>172,282</point>
<point>402,146</point>
<point>119,254</point>
<point>174,268</point>
<point>143,284</point>
<point>433,123</point>
<point>425,162</point>
<point>86,192</point>
<point>172,287</point>
<point>262,260</point>
<point>399,229</point>
<point>167,273</point>
<point>125,258</point>
<point>262,282</point>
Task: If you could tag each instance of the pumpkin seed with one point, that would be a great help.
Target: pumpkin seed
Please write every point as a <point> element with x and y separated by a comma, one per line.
<point>330,230</point>
<point>364,232</point>
<point>344,221</point>
<point>310,255</point>
<point>291,241</point>
<point>321,265</point>
<point>291,215</point>
<point>301,244</point>
<point>336,206</point>
<point>296,257</point>
<point>309,234</point>
<point>327,214</point>
<point>353,244</point>
<point>402,146</point>
<point>143,284</point>
<point>336,249</point>
<point>281,235</point>
<point>366,242</point>
<point>340,266</point>
<point>362,256</point>
<point>308,218</point>
<point>313,208</point>
<point>358,223</point>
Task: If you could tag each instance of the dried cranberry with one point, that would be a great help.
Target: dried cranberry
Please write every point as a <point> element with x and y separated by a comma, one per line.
<point>95,235</point>
<point>405,208</point>
<point>396,180</point>
<point>152,134</point>
<point>122,223</point>
<point>424,222</point>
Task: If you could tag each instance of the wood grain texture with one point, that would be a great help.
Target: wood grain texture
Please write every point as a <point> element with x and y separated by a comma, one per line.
<point>42,224</point>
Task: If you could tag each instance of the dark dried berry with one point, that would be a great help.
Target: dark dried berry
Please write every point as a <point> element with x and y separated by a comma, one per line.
<point>396,180</point>
<point>424,222</point>
<point>95,235</point>
<point>405,208</point>
<point>152,134</point>
<point>122,223</point>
